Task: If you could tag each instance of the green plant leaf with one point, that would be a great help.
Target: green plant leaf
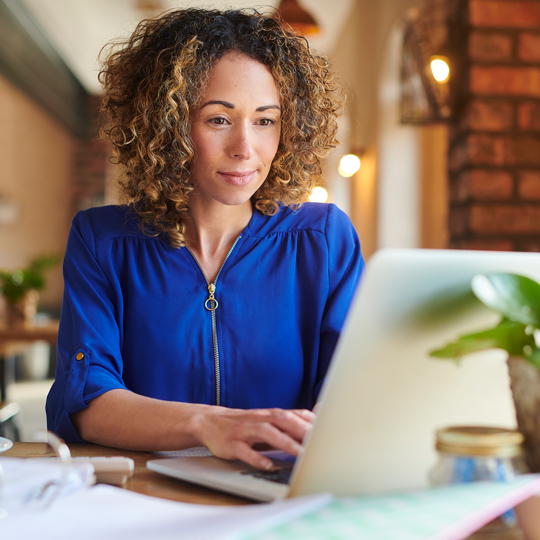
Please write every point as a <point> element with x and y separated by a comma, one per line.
<point>14,284</point>
<point>13,290</point>
<point>508,335</point>
<point>515,297</point>
<point>43,262</point>
<point>34,280</point>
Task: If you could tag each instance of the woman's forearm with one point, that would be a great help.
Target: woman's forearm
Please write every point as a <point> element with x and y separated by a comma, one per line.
<point>122,419</point>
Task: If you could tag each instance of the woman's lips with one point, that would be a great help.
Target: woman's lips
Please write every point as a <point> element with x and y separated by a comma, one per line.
<point>238,178</point>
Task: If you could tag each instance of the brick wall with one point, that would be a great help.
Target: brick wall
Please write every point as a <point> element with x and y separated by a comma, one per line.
<point>91,164</point>
<point>494,152</point>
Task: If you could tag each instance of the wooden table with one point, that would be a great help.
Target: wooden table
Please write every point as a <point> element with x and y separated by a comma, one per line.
<point>47,332</point>
<point>143,481</point>
<point>151,483</point>
<point>11,341</point>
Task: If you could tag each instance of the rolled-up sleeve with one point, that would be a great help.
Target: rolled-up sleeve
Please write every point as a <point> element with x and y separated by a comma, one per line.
<point>345,267</point>
<point>89,361</point>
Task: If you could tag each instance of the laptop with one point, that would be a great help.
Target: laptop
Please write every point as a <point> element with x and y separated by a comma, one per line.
<point>384,396</point>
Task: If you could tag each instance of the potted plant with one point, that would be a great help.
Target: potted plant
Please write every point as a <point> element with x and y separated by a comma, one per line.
<point>20,289</point>
<point>517,299</point>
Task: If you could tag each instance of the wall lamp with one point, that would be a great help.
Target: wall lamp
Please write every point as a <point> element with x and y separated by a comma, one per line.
<point>425,72</point>
<point>349,165</point>
<point>318,194</point>
<point>440,68</point>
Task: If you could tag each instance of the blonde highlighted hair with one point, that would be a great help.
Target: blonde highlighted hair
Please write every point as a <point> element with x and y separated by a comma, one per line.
<point>153,83</point>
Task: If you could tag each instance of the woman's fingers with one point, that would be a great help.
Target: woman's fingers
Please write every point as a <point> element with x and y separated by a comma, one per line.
<point>231,433</point>
<point>246,454</point>
<point>308,416</point>
<point>270,434</point>
<point>292,423</point>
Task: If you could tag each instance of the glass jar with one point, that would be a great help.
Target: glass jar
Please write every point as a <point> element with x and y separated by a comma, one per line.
<point>473,454</point>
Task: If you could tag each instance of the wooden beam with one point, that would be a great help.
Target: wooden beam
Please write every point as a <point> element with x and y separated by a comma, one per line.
<point>30,62</point>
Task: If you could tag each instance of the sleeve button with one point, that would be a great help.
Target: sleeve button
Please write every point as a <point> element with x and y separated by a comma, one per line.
<point>79,356</point>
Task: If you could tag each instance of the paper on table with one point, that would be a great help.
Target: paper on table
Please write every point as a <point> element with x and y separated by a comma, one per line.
<point>31,482</point>
<point>446,513</point>
<point>110,513</point>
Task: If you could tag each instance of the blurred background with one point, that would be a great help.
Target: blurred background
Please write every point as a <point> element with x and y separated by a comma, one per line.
<point>442,121</point>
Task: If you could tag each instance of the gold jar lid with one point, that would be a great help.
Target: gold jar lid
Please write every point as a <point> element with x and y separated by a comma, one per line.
<point>479,441</point>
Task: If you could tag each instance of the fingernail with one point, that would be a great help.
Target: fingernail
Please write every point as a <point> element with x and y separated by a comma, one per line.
<point>267,464</point>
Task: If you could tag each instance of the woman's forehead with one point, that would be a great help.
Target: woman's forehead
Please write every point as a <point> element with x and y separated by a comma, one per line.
<point>238,77</point>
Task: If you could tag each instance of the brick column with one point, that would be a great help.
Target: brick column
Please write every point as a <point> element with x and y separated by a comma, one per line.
<point>494,153</point>
<point>91,163</point>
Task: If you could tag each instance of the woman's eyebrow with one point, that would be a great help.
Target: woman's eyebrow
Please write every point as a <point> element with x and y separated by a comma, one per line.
<point>218,102</point>
<point>266,107</point>
<point>230,105</point>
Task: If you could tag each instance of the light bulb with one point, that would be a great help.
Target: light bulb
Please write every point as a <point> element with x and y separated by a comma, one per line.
<point>319,194</point>
<point>440,68</point>
<point>348,165</point>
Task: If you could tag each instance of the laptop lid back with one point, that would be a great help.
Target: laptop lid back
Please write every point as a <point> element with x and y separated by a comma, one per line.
<point>384,396</point>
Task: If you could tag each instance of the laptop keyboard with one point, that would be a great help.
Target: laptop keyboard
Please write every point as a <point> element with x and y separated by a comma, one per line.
<point>281,476</point>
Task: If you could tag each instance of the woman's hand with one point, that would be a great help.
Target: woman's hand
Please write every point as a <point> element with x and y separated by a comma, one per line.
<point>123,419</point>
<point>231,433</point>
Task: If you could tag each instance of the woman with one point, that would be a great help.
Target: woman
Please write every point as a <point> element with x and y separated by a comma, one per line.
<point>206,312</point>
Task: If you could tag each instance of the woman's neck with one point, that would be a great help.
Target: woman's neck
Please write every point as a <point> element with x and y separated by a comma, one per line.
<point>211,232</point>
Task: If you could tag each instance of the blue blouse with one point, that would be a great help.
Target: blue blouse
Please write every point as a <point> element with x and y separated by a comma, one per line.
<point>136,315</point>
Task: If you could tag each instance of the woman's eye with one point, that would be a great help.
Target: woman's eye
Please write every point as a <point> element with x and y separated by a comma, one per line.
<point>266,122</point>
<point>219,121</point>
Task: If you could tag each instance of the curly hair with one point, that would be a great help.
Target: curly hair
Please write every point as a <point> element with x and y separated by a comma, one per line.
<point>153,83</point>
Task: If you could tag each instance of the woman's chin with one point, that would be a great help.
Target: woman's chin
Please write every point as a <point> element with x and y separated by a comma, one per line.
<point>233,197</point>
<point>220,200</point>
<point>236,201</point>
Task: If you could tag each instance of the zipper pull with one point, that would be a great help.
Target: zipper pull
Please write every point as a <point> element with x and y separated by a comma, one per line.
<point>211,303</point>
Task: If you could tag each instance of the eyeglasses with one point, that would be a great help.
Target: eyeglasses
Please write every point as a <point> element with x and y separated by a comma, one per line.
<point>28,484</point>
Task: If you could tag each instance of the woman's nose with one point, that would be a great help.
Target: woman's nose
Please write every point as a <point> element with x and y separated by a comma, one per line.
<point>241,144</point>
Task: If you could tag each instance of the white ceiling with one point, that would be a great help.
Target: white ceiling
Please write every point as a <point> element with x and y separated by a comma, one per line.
<point>78,29</point>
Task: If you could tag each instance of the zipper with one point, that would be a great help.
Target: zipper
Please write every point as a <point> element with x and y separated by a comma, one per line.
<point>211,304</point>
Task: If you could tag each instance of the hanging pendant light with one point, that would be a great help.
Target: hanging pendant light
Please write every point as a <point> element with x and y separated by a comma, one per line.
<point>298,18</point>
<point>149,8</point>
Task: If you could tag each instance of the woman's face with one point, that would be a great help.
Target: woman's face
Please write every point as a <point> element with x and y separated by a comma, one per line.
<point>235,131</point>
